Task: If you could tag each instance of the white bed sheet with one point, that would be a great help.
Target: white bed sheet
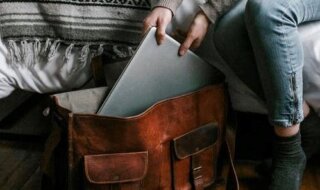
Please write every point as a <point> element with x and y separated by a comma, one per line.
<point>43,77</point>
<point>310,35</point>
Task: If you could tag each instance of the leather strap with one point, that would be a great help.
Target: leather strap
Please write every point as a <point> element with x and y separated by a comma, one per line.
<point>230,141</point>
<point>230,138</point>
<point>228,171</point>
<point>228,168</point>
<point>196,169</point>
<point>232,168</point>
<point>196,141</point>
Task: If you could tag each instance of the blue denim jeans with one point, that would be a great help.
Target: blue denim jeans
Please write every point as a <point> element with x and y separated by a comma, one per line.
<point>259,40</point>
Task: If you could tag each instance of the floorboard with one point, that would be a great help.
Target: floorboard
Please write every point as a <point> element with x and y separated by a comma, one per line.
<point>19,165</point>
<point>254,140</point>
<point>251,180</point>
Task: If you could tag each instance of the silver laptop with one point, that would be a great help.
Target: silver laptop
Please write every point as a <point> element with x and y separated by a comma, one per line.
<point>155,73</point>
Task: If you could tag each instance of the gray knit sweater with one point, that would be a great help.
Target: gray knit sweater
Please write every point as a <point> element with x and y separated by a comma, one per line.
<point>212,8</point>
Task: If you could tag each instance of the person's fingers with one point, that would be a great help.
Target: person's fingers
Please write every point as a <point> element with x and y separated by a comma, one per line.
<point>160,17</point>
<point>196,33</point>
<point>147,24</point>
<point>145,28</point>
<point>186,44</point>
<point>161,32</point>
<point>195,44</point>
<point>162,25</point>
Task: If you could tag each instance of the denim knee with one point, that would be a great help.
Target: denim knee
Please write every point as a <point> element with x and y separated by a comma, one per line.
<point>224,34</point>
<point>270,14</point>
<point>272,28</point>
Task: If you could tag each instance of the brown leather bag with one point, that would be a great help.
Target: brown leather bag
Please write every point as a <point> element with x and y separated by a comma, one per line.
<point>175,144</point>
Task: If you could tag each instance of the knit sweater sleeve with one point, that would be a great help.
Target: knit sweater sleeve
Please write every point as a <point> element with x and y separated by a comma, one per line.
<point>170,4</point>
<point>215,8</point>
<point>212,8</point>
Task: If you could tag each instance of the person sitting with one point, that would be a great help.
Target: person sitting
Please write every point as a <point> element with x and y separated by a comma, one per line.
<point>268,59</point>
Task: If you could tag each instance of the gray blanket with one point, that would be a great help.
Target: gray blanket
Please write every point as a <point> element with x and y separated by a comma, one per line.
<point>34,29</point>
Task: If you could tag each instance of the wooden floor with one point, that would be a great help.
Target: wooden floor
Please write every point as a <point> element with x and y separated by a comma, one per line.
<point>251,180</point>
<point>254,144</point>
<point>19,165</point>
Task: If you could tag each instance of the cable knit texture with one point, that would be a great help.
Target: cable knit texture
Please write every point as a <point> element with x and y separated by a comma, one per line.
<point>170,4</point>
<point>212,8</point>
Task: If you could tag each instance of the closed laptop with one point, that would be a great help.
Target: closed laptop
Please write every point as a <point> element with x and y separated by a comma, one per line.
<point>154,73</point>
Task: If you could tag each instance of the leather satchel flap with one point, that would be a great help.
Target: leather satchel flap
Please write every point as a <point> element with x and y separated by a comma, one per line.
<point>196,140</point>
<point>116,168</point>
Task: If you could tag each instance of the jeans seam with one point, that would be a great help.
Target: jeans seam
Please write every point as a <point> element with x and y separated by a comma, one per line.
<point>294,115</point>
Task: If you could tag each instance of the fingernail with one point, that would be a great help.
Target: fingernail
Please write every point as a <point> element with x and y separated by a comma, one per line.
<point>182,52</point>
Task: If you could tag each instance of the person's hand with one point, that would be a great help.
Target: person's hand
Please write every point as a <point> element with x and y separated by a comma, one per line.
<point>196,33</point>
<point>159,17</point>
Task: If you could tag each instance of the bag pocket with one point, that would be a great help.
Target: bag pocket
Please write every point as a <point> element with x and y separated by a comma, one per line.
<point>195,156</point>
<point>115,171</point>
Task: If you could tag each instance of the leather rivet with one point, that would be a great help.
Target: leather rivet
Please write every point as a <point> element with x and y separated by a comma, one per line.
<point>116,177</point>
<point>46,112</point>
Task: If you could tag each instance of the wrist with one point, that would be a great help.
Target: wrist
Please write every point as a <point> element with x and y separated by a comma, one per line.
<point>202,20</point>
<point>164,9</point>
<point>169,4</point>
<point>202,16</point>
